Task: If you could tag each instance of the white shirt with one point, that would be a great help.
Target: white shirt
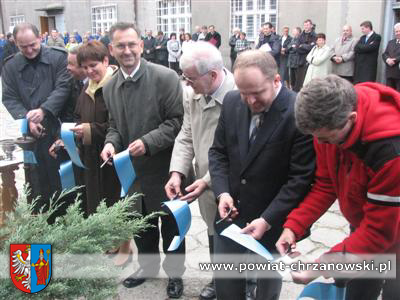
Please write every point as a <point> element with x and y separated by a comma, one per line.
<point>133,72</point>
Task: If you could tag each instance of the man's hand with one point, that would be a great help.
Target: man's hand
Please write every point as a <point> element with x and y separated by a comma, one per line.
<point>137,148</point>
<point>108,151</point>
<point>338,59</point>
<point>35,115</point>
<point>224,206</point>
<point>257,228</point>
<point>305,277</point>
<point>194,190</point>
<point>286,242</point>
<point>55,147</point>
<point>173,186</point>
<point>78,130</point>
<point>36,129</point>
<point>390,61</point>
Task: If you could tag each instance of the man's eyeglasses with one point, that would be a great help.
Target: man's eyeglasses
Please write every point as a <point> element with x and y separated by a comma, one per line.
<point>192,80</point>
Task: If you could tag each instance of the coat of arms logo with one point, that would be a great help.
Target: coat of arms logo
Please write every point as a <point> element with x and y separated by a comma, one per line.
<point>30,266</point>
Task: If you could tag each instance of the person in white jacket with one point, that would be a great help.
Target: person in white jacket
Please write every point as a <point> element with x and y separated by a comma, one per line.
<point>174,52</point>
<point>318,59</point>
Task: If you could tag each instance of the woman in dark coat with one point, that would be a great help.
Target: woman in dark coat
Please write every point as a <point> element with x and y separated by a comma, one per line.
<point>91,116</point>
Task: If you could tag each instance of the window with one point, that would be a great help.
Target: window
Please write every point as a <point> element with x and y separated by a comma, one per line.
<point>249,15</point>
<point>103,17</point>
<point>173,15</point>
<point>14,20</point>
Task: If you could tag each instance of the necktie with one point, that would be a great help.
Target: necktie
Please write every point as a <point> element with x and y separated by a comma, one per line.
<point>256,123</point>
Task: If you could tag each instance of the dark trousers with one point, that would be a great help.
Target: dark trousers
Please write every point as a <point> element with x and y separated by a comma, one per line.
<point>292,77</point>
<point>148,248</point>
<point>235,288</point>
<point>348,78</point>
<point>300,75</point>
<point>393,83</point>
<point>175,66</point>
<point>369,289</point>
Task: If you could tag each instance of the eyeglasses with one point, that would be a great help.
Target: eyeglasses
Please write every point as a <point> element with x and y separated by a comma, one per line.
<point>129,45</point>
<point>192,80</point>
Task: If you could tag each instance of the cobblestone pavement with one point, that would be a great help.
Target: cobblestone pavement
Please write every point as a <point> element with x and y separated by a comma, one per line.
<point>327,231</point>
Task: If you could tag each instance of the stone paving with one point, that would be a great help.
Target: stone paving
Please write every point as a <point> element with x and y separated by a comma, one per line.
<point>327,231</point>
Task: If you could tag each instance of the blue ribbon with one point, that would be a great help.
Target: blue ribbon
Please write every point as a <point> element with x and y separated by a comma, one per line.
<point>322,291</point>
<point>247,241</point>
<point>29,157</point>
<point>23,126</point>
<point>69,142</point>
<point>181,211</point>
<point>126,173</point>
<point>67,175</point>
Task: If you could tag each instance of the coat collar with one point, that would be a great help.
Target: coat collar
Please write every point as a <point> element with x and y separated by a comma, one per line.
<point>136,77</point>
<point>226,86</point>
<point>44,58</point>
<point>272,118</point>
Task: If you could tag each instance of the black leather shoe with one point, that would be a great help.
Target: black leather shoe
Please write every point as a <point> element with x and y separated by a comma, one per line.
<point>208,292</point>
<point>175,288</point>
<point>134,280</point>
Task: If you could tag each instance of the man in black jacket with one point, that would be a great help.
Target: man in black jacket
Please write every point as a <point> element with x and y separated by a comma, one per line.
<point>36,86</point>
<point>261,167</point>
<point>267,36</point>
<point>149,47</point>
<point>161,51</point>
<point>304,45</point>
<point>391,57</point>
<point>213,37</point>
<point>366,54</point>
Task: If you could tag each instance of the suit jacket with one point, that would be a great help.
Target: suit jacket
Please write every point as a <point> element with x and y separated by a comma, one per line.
<point>195,139</point>
<point>273,176</point>
<point>392,51</point>
<point>275,44</point>
<point>366,56</point>
<point>149,48</point>
<point>161,53</point>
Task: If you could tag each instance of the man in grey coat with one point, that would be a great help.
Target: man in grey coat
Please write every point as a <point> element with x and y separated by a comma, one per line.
<point>343,54</point>
<point>36,86</point>
<point>209,81</point>
<point>145,105</point>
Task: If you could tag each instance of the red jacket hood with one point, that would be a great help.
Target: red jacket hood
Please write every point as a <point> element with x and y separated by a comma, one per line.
<point>378,113</point>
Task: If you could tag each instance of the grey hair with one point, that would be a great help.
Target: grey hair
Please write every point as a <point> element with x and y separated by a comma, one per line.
<point>258,59</point>
<point>396,25</point>
<point>325,103</point>
<point>203,56</point>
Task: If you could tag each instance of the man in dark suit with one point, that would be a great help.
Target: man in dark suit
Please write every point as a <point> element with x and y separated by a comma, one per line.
<point>149,47</point>
<point>273,41</point>
<point>285,40</point>
<point>391,57</point>
<point>366,54</point>
<point>161,52</point>
<point>260,165</point>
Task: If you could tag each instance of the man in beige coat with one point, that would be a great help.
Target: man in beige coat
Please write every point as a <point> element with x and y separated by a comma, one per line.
<point>208,82</point>
<point>343,54</point>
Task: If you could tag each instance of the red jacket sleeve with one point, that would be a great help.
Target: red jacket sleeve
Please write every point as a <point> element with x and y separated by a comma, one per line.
<point>318,201</point>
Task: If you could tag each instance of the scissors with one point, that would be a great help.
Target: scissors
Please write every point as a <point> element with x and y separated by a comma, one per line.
<point>226,217</point>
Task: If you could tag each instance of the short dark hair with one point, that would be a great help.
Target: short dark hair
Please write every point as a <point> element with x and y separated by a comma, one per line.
<point>367,24</point>
<point>321,36</point>
<point>308,21</point>
<point>23,27</point>
<point>123,26</point>
<point>93,50</point>
<point>172,34</point>
<point>269,24</point>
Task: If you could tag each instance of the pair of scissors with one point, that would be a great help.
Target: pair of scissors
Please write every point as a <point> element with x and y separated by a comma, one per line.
<point>226,217</point>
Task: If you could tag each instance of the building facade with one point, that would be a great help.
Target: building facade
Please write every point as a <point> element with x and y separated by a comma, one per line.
<point>171,15</point>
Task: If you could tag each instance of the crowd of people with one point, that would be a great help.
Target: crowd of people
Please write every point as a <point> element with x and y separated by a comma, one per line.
<point>241,142</point>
